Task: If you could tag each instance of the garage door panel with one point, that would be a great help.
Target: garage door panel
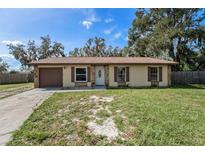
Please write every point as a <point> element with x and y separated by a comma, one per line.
<point>50,77</point>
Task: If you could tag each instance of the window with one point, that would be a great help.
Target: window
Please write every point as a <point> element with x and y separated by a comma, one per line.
<point>154,74</point>
<point>99,74</point>
<point>121,74</point>
<point>81,74</point>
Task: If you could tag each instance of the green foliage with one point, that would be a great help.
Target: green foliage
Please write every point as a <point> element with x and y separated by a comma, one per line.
<point>24,54</point>
<point>47,49</point>
<point>30,52</point>
<point>3,66</point>
<point>13,72</point>
<point>96,47</point>
<point>200,59</point>
<point>177,34</point>
<point>37,136</point>
<point>103,114</point>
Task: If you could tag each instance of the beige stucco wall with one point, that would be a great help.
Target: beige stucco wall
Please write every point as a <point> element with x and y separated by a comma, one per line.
<point>67,77</point>
<point>112,82</point>
<point>139,75</point>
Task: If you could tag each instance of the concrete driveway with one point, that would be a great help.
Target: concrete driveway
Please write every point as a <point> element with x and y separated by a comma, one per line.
<point>14,110</point>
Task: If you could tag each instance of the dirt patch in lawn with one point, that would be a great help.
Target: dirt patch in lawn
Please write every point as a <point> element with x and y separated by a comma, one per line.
<point>108,129</point>
<point>102,123</point>
<point>97,99</point>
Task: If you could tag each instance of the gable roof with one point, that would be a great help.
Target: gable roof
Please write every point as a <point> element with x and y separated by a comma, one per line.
<point>102,60</point>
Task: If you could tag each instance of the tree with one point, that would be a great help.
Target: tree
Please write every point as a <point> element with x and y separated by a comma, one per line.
<point>96,47</point>
<point>115,52</point>
<point>178,34</point>
<point>24,54</point>
<point>31,52</point>
<point>57,50</point>
<point>47,49</point>
<point>77,52</point>
<point>3,66</point>
<point>200,59</point>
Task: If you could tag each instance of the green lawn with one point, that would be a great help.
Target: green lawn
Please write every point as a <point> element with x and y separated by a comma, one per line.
<point>170,116</point>
<point>7,90</point>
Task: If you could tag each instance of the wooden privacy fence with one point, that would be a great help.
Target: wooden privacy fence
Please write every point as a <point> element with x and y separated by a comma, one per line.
<point>188,77</point>
<point>16,78</point>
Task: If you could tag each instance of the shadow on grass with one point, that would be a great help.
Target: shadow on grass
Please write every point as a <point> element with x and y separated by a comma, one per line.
<point>189,86</point>
<point>180,86</point>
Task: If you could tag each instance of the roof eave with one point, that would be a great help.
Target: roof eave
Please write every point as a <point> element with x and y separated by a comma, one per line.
<point>174,63</point>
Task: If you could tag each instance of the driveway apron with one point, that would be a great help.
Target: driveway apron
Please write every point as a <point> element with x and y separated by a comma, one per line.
<point>14,110</point>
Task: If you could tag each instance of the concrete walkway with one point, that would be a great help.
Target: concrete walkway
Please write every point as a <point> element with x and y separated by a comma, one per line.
<point>14,110</point>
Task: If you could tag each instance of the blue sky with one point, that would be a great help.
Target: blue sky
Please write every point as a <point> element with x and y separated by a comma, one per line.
<point>72,27</point>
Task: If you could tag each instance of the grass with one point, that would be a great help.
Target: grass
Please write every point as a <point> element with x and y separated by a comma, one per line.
<point>171,116</point>
<point>103,114</point>
<point>7,90</point>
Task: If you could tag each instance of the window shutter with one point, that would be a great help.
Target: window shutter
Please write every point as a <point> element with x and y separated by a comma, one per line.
<point>115,74</point>
<point>160,73</point>
<point>72,74</point>
<point>127,74</point>
<point>88,73</point>
<point>149,73</point>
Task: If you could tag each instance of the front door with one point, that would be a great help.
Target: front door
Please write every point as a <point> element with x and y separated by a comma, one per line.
<point>99,76</point>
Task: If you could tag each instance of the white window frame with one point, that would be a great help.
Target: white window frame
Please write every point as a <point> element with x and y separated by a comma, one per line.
<point>125,72</point>
<point>81,74</point>
<point>157,73</point>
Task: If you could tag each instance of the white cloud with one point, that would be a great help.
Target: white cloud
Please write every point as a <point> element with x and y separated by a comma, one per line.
<point>87,24</point>
<point>117,35</point>
<point>90,14</point>
<point>108,31</point>
<point>6,42</point>
<point>90,18</point>
<point>108,20</point>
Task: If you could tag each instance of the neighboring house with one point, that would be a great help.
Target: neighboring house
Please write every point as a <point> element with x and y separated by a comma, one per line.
<point>102,71</point>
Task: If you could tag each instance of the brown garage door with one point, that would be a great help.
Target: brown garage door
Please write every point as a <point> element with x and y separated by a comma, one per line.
<point>50,77</point>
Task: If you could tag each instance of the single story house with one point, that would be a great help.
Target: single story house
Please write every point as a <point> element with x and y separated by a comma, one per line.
<point>102,71</point>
